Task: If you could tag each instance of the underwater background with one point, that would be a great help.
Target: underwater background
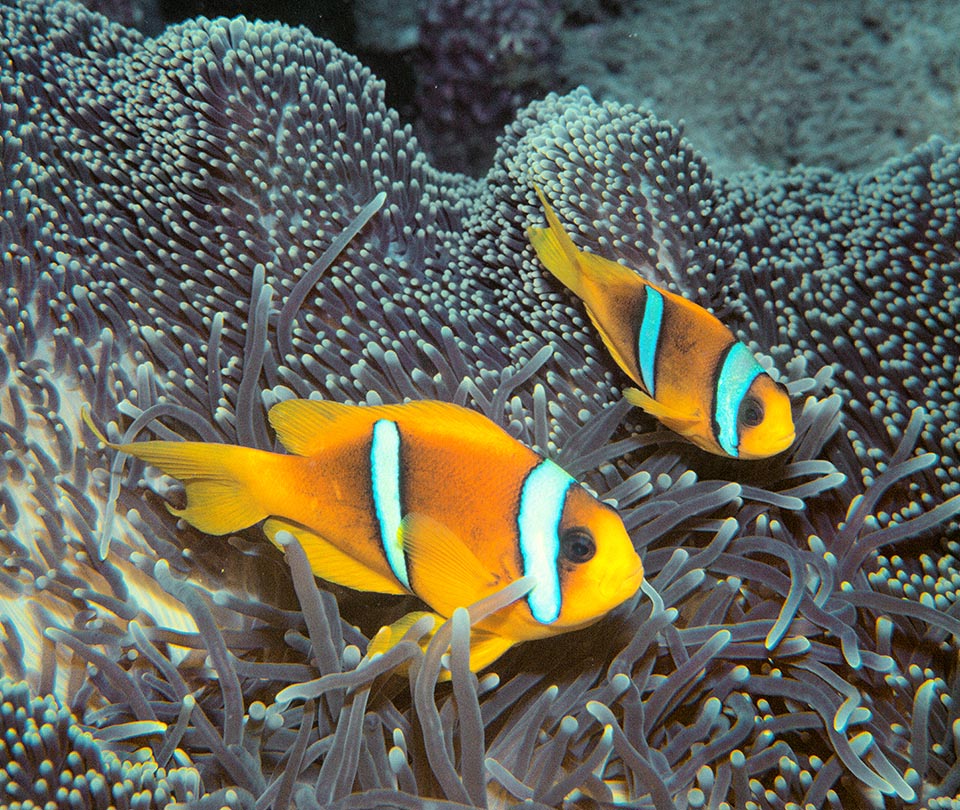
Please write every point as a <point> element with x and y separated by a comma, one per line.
<point>186,238</point>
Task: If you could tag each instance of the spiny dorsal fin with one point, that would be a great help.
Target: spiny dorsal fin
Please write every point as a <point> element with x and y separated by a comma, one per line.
<point>306,426</point>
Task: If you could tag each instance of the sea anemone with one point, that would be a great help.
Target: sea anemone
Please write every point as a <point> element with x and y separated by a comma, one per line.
<point>50,760</point>
<point>199,225</point>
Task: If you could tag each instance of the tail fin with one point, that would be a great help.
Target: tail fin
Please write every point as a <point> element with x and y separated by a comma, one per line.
<point>556,250</point>
<point>218,479</point>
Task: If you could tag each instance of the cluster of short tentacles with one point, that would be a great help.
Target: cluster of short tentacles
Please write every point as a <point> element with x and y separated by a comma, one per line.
<point>198,225</point>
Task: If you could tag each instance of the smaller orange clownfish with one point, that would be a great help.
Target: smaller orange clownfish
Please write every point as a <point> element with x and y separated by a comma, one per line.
<point>426,498</point>
<point>694,375</point>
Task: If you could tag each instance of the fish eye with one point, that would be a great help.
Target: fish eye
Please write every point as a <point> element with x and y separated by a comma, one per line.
<point>751,412</point>
<point>577,545</point>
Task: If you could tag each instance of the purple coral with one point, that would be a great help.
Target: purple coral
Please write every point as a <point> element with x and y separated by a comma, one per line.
<point>478,62</point>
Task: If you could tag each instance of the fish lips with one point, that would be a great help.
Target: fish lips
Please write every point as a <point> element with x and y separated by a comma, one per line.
<point>771,447</point>
<point>622,587</point>
<point>783,442</point>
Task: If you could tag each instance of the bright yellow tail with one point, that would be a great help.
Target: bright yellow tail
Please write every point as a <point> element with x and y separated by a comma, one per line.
<point>221,480</point>
<point>556,250</point>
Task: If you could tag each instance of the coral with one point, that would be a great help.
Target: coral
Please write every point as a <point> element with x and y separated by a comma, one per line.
<point>198,225</point>
<point>478,62</point>
<point>778,84</point>
<point>144,15</point>
<point>386,26</point>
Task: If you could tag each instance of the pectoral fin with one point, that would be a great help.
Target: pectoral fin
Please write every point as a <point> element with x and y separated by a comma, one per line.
<point>673,419</point>
<point>444,572</point>
<point>330,563</point>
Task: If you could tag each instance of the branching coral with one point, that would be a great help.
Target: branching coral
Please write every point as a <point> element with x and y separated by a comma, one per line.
<point>198,225</point>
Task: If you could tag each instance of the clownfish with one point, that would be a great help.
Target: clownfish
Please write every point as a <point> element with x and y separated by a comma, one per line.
<point>694,376</point>
<point>426,498</point>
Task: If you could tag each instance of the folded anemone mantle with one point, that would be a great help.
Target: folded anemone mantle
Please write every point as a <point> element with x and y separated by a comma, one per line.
<point>186,238</point>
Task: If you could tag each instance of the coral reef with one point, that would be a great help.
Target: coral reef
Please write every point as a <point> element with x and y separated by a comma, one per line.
<point>844,85</point>
<point>198,225</point>
<point>144,15</point>
<point>478,61</point>
<point>774,84</point>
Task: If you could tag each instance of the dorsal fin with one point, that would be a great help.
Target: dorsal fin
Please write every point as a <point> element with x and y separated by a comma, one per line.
<point>302,425</point>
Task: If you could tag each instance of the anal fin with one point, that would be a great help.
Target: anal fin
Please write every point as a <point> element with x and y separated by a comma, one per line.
<point>330,563</point>
<point>485,647</point>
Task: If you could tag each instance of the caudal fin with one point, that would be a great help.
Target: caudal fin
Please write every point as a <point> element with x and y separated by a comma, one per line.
<point>218,478</point>
<point>556,250</point>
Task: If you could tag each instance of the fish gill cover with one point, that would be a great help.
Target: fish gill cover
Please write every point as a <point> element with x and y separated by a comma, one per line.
<point>178,250</point>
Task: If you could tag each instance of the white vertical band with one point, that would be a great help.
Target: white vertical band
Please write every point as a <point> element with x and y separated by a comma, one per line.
<point>649,339</point>
<point>385,484</point>
<point>538,521</point>
<point>737,373</point>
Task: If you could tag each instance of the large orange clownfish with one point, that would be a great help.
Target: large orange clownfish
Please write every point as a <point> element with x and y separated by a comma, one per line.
<point>694,375</point>
<point>426,498</point>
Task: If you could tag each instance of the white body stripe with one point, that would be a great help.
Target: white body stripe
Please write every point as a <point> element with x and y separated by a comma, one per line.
<point>649,339</point>
<point>385,485</point>
<point>538,520</point>
<point>740,369</point>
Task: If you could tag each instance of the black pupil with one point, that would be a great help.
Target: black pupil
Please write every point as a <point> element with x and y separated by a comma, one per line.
<point>751,412</point>
<point>577,545</point>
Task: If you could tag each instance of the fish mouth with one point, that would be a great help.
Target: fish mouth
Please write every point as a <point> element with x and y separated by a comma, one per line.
<point>771,446</point>
<point>783,442</point>
<point>623,587</point>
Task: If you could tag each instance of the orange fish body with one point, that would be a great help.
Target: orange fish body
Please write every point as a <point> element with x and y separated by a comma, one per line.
<point>425,498</point>
<point>693,374</point>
